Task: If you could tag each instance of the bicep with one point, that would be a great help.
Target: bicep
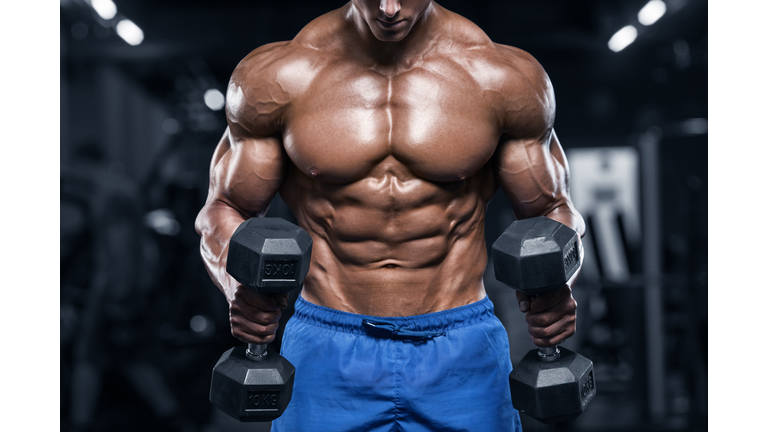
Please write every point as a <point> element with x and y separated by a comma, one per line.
<point>246,172</point>
<point>533,173</point>
<point>531,167</point>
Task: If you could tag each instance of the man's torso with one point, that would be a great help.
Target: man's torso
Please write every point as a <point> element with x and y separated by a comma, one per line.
<point>391,168</point>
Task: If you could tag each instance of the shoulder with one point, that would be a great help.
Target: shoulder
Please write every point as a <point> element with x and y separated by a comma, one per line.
<point>268,79</point>
<point>521,66</point>
<point>524,93</point>
<point>514,84</point>
<point>508,72</point>
<point>260,60</point>
<point>265,83</point>
<point>252,102</point>
<point>504,69</point>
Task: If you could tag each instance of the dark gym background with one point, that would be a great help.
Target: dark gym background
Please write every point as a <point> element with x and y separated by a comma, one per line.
<point>142,324</point>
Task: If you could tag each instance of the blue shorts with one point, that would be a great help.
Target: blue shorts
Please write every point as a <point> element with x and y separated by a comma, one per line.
<point>444,371</point>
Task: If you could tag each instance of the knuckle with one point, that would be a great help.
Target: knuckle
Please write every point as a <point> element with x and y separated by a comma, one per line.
<point>234,311</point>
<point>540,321</point>
<point>533,331</point>
<point>238,306</point>
<point>538,332</point>
<point>571,304</point>
<point>237,328</point>
<point>265,318</point>
<point>264,339</point>
<point>261,330</point>
<point>569,329</point>
<point>272,317</point>
<point>530,319</point>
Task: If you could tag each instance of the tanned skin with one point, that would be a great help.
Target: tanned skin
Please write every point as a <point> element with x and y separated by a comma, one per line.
<point>387,126</point>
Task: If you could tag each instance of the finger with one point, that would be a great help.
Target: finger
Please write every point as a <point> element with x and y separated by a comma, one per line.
<point>523,301</point>
<point>251,332</point>
<point>547,301</point>
<point>252,314</point>
<point>552,315</point>
<point>266,302</point>
<point>554,334</point>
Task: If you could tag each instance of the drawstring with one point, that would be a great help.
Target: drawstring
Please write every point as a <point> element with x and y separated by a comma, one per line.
<point>390,329</point>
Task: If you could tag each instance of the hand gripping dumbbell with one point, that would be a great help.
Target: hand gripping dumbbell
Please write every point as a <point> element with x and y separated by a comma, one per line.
<point>536,256</point>
<point>268,255</point>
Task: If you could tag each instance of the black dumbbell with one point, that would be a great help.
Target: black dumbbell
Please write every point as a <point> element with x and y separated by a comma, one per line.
<point>269,255</point>
<point>536,256</point>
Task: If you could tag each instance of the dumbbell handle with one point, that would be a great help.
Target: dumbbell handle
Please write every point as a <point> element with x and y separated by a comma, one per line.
<point>256,351</point>
<point>549,354</point>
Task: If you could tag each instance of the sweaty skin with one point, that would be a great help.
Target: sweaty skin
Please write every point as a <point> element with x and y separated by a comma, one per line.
<point>387,126</point>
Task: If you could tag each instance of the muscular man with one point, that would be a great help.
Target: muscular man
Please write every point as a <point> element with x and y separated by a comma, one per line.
<point>387,126</point>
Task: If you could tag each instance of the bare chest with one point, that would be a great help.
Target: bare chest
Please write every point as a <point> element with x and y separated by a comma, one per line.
<point>439,128</point>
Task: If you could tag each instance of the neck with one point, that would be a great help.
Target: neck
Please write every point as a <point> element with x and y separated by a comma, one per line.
<point>387,53</point>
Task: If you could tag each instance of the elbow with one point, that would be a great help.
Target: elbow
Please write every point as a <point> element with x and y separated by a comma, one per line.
<point>569,216</point>
<point>579,225</point>
<point>201,221</point>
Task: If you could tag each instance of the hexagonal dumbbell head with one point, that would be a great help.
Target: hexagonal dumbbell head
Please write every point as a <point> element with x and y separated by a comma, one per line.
<point>552,392</point>
<point>536,255</point>
<point>269,255</point>
<point>251,391</point>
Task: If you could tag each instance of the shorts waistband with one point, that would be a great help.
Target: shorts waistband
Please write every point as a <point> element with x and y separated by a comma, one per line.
<point>435,323</point>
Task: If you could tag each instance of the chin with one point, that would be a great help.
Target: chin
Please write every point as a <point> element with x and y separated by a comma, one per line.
<point>391,37</point>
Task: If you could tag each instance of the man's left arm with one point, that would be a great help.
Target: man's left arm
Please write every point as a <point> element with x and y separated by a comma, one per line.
<point>532,170</point>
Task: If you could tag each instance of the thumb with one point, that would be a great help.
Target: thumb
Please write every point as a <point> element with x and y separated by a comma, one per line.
<point>523,301</point>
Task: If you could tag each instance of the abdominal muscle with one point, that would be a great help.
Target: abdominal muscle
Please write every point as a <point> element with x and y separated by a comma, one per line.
<point>392,244</point>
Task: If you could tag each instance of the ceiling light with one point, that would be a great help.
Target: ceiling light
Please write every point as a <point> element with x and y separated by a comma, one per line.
<point>651,12</point>
<point>130,32</point>
<point>105,8</point>
<point>622,38</point>
<point>214,99</point>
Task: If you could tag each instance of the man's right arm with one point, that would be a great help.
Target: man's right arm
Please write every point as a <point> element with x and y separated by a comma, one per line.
<point>247,169</point>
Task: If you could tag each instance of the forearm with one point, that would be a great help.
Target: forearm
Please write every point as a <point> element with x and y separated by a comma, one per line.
<point>245,176</point>
<point>215,224</point>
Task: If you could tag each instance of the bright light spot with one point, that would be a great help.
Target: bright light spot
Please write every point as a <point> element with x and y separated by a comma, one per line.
<point>622,38</point>
<point>651,12</point>
<point>130,32</point>
<point>198,323</point>
<point>214,99</point>
<point>163,222</point>
<point>105,8</point>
